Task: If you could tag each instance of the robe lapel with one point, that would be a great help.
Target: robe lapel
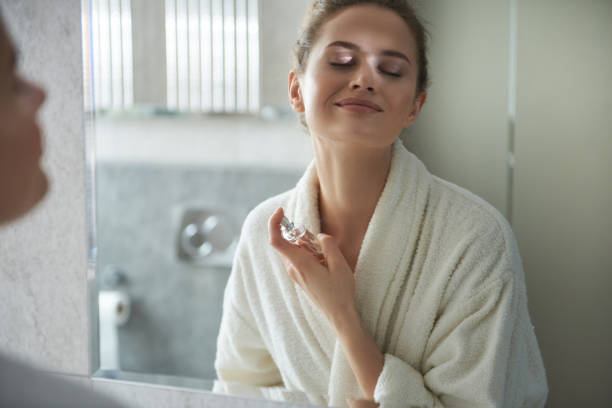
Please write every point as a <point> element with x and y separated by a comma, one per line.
<point>305,210</point>
<point>382,263</point>
<point>390,240</point>
<point>383,260</point>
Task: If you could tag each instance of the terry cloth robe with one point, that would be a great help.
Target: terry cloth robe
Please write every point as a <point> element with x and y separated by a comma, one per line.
<point>439,285</point>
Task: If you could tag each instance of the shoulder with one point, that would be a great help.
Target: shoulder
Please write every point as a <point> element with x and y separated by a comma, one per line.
<point>466,209</point>
<point>256,222</point>
<point>47,390</point>
<point>474,237</point>
<point>253,248</point>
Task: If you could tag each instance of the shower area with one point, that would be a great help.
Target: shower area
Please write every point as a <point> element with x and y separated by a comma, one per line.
<point>166,240</point>
<point>190,130</point>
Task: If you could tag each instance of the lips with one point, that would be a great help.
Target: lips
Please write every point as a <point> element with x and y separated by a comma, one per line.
<point>37,141</point>
<point>359,105</point>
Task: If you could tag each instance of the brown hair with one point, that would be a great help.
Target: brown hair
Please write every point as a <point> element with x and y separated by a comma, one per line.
<point>321,10</point>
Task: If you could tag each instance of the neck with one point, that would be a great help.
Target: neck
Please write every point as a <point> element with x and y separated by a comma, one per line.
<point>351,180</point>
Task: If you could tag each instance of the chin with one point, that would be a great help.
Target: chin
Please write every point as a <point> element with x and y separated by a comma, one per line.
<point>361,137</point>
<point>25,199</point>
<point>40,189</point>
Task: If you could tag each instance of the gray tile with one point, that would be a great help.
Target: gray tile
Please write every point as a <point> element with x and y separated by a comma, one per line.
<point>175,305</point>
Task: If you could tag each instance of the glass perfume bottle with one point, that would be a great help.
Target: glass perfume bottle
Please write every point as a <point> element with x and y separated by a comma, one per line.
<point>298,235</point>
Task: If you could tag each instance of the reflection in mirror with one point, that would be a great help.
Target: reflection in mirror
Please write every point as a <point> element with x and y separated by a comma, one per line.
<point>193,130</point>
<point>188,139</point>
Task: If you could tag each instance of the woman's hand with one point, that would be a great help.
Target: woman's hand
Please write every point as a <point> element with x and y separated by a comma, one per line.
<point>331,288</point>
<point>361,403</point>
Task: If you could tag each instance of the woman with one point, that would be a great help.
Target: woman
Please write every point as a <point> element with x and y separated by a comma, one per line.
<point>22,181</point>
<point>422,301</point>
<point>23,184</point>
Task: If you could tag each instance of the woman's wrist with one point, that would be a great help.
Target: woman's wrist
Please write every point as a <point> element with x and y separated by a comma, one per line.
<point>365,358</point>
<point>346,321</point>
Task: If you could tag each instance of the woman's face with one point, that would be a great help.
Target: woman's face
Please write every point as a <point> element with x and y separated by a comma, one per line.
<point>22,182</point>
<point>360,81</point>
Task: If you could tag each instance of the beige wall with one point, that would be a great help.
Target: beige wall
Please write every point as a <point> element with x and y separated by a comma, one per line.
<point>461,134</point>
<point>561,196</point>
<point>563,191</point>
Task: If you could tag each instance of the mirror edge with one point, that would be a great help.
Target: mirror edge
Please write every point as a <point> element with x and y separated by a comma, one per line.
<point>90,187</point>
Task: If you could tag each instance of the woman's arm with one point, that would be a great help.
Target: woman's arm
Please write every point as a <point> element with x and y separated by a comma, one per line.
<point>481,352</point>
<point>365,358</point>
<point>332,289</point>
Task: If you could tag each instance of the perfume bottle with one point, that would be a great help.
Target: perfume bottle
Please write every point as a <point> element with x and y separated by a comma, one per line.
<point>298,235</point>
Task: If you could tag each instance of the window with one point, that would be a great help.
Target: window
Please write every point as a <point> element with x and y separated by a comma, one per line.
<point>211,55</point>
<point>111,36</point>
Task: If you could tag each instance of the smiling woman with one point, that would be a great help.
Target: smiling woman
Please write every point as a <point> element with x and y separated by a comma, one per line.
<point>422,301</point>
<point>21,176</point>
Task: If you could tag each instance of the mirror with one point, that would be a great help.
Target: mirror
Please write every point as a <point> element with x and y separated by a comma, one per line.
<point>192,129</point>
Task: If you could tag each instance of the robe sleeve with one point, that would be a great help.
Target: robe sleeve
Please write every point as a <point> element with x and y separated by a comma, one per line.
<point>242,357</point>
<point>482,352</point>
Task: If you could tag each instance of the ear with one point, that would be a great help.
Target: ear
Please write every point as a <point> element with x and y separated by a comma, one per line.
<point>295,92</point>
<point>416,109</point>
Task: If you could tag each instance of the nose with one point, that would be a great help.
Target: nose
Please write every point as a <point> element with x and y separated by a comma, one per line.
<point>363,79</point>
<point>33,94</point>
<point>37,95</point>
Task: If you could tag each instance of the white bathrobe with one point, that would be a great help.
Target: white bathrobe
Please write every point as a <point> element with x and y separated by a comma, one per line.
<point>439,285</point>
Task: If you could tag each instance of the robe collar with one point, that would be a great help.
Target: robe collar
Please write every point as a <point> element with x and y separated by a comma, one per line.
<point>384,258</point>
<point>388,232</point>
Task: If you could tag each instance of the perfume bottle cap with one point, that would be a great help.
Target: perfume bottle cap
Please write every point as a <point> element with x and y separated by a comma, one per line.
<point>286,223</point>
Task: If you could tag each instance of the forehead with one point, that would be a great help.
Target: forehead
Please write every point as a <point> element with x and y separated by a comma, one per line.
<point>370,27</point>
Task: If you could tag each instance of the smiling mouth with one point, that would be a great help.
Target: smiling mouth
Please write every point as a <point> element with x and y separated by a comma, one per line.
<point>359,105</point>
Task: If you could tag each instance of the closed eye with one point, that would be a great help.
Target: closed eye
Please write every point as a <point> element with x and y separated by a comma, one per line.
<point>393,74</point>
<point>342,64</point>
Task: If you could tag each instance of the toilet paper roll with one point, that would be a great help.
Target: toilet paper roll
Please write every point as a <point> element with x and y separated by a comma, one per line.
<point>114,307</point>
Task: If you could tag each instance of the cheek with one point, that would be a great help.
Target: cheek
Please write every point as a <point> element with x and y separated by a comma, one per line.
<point>403,100</point>
<point>20,138</point>
<point>320,87</point>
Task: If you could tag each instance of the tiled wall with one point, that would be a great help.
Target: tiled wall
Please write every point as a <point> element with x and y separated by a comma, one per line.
<point>176,303</point>
<point>43,262</point>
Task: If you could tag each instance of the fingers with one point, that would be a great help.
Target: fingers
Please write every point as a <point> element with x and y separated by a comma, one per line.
<point>274,229</point>
<point>295,254</point>
<point>332,253</point>
<point>361,403</point>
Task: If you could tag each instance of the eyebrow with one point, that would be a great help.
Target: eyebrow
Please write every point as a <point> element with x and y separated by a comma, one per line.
<point>351,46</point>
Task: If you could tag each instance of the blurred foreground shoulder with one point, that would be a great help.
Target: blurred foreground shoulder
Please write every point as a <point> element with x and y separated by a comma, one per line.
<point>24,386</point>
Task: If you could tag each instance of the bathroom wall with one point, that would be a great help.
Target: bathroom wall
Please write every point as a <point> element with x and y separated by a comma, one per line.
<point>563,191</point>
<point>43,258</point>
<point>43,261</point>
<point>175,301</point>
<point>560,196</point>
<point>461,134</point>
